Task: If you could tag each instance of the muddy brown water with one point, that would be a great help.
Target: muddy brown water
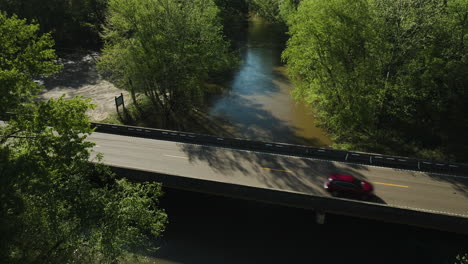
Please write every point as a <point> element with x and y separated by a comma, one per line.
<point>258,101</point>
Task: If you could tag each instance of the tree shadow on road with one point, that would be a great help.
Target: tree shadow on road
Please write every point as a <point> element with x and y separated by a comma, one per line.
<point>459,183</point>
<point>269,170</point>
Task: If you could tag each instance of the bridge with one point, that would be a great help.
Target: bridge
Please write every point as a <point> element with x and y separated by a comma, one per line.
<point>408,191</point>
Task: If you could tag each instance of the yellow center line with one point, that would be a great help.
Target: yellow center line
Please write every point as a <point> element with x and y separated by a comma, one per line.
<point>175,156</point>
<point>277,170</point>
<point>389,184</point>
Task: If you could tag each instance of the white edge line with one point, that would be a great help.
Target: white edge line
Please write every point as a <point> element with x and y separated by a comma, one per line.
<point>308,158</point>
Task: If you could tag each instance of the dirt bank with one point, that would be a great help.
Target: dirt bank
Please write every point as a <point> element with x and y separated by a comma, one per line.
<point>79,77</point>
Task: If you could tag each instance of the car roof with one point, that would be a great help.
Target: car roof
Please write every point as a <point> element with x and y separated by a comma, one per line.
<point>342,177</point>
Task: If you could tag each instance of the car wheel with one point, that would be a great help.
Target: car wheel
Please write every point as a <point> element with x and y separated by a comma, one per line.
<point>334,193</point>
<point>365,197</point>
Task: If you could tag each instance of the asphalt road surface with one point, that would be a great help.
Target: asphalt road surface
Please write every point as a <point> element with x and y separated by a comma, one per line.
<point>431,192</point>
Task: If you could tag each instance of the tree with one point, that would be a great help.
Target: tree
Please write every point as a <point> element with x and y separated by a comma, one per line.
<point>383,73</point>
<point>461,259</point>
<point>274,10</point>
<point>233,15</point>
<point>164,49</point>
<point>332,58</point>
<point>71,22</point>
<point>24,56</point>
<point>57,207</point>
<point>268,9</point>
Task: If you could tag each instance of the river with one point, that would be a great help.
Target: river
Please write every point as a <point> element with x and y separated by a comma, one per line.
<point>257,100</point>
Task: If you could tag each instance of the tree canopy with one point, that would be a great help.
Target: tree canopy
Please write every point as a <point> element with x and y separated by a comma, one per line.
<point>273,10</point>
<point>164,49</point>
<point>268,9</point>
<point>71,22</point>
<point>383,72</point>
<point>57,207</point>
<point>234,19</point>
<point>24,56</point>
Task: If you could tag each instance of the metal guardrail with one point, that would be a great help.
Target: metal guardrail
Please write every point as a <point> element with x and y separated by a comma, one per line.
<point>287,149</point>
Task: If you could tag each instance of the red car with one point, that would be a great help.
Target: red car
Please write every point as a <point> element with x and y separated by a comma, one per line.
<point>347,185</point>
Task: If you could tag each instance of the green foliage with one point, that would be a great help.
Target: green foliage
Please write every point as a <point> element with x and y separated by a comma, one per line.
<point>332,58</point>
<point>267,9</point>
<point>164,49</point>
<point>23,56</point>
<point>56,206</point>
<point>461,259</point>
<point>72,22</point>
<point>382,71</point>
<point>288,8</point>
<point>274,10</point>
<point>233,15</point>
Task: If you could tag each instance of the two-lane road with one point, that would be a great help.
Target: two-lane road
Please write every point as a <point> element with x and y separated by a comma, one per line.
<point>416,190</point>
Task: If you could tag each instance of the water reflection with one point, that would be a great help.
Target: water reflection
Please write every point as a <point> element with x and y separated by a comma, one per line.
<point>258,103</point>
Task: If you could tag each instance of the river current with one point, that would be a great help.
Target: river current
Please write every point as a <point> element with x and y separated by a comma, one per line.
<point>258,99</point>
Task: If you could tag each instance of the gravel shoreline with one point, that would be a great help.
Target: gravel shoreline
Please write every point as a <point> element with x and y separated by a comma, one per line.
<point>79,77</point>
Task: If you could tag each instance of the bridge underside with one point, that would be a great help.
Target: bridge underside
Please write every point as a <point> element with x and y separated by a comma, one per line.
<point>391,214</point>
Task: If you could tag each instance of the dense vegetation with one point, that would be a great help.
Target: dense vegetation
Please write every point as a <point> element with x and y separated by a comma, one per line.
<point>275,11</point>
<point>164,50</point>
<point>72,23</point>
<point>77,24</point>
<point>233,16</point>
<point>382,76</point>
<point>56,207</point>
<point>195,41</point>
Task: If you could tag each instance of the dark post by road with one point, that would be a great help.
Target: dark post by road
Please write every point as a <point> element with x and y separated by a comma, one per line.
<point>119,101</point>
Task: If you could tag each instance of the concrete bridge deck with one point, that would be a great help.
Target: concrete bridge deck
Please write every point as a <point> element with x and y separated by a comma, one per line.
<point>429,198</point>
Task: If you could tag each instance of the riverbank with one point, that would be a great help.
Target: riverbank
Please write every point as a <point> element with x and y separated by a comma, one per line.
<point>257,100</point>
<point>253,102</point>
<point>79,77</point>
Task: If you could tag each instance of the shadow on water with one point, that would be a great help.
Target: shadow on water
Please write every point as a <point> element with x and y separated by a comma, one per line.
<point>254,122</point>
<point>280,76</point>
<point>257,103</point>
